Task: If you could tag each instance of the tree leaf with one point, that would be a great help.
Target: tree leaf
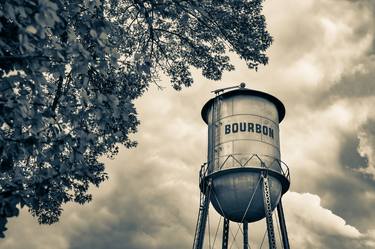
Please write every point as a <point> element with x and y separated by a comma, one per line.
<point>31,29</point>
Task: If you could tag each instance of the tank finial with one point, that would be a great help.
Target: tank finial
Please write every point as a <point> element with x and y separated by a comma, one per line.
<point>242,85</point>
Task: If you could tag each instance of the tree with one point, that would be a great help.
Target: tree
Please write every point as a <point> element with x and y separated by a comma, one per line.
<point>70,71</point>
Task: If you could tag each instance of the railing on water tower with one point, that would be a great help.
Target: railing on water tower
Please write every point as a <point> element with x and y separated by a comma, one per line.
<point>284,169</point>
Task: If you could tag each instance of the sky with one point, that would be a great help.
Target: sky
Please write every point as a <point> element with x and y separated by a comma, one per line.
<point>322,67</point>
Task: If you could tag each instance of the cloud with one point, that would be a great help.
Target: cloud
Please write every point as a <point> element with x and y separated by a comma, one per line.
<point>370,239</point>
<point>306,210</point>
<point>310,225</point>
<point>152,193</point>
<point>349,155</point>
<point>155,198</point>
<point>322,67</point>
<point>24,232</point>
<point>367,146</point>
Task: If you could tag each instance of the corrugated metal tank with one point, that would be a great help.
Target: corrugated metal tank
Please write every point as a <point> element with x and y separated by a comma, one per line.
<point>243,140</point>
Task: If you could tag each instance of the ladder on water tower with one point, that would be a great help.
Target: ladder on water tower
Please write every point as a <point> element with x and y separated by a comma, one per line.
<point>216,128</point>
<point>206,190</point>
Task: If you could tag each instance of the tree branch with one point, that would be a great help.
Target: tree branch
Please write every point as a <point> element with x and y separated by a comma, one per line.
<point>58,93</point>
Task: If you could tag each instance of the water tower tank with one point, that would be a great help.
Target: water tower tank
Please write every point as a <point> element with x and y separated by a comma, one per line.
<point>243,143</point>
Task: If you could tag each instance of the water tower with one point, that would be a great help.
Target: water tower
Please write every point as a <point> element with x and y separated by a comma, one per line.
<point>244,178</point>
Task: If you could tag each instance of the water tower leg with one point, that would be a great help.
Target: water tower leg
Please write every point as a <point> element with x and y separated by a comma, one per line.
<point>202,218</point>
<point>284,233</point>
<point>268,211</point>
<point>245,235</point>
<point>225,233</point>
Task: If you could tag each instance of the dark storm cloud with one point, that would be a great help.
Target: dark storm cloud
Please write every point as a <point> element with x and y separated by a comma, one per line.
<point>155,202</point>
<point>351,193</point>
<point>152,204</point>
<point>369,129</point>
<point>349,155</point>
<point>330,169</point>
<point>349,197</point>
<point>338,242</point>
<point>150,213</point>
<point>358,81</point>
<point>357,85</point>
<point>363,6</point>
<point>151,199</point>
<point>367,145</point>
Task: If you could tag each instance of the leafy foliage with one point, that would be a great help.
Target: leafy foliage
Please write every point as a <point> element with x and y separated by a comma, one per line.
<point>70,71</point>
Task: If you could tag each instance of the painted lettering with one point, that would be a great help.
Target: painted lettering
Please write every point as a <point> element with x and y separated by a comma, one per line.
<point>265,130</point>
<point>235,127</point>
<point>258,128</point>
<point>242,126</point>
<point>270,131</point>
<point>227,129</point>
<point>248,127</point>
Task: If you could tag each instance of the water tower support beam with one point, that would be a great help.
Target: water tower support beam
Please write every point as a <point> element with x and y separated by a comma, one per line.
<point>284,233</point>
<point>225,233</point>
<point>245,235</point>
<point>202,217</point>
<point>268,211</point>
